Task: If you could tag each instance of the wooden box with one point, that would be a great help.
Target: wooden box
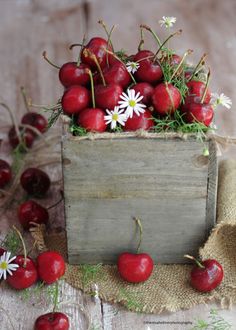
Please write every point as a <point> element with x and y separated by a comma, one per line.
<point>165,181</point>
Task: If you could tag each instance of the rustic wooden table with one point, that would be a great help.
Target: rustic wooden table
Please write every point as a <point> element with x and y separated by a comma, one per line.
<point>27,27</point>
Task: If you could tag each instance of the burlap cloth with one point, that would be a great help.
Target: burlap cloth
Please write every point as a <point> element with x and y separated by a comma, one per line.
<point>168,288</point>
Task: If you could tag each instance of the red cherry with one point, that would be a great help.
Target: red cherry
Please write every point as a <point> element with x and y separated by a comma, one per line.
<point>135,268</point>
<point>2,251</point>
<point>107,97</point>
<point>25,275</point>
<point>117,74</point>
<point>146,90</point>
<point>52,321</point>
<point>36,120</point>
<point>51,266</point>
<point>72,74</point>
<point>197,88</point>
<point>148,70</point>
<point>143,121</point>
<point>198,112</point>
<point>207,277</point>
<point>35,182</point>
<point>92,119</point>
<point>26,135</point>
<point>96,46</point>
<point>75,99</point>
<point>30,211</point>
<point>5,173</point>
<point>166,98</point>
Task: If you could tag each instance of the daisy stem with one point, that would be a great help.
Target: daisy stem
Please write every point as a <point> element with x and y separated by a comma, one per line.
<point>13,119</point>
<point>194,259</point>
<point>144,26</point>
<point>163,44</point>
<point>206,87</point>
<point>188,52</point>
<point>23,244</point>
<point>140,228</point>
<point>197,66</point>
<point>25,99</point>
<point>92,86</point>
<point>56,296</point>
<point>140,46</point>
<point>44,54</point>
<point>118,59</point>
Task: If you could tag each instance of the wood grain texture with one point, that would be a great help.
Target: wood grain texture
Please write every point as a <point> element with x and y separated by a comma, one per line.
<point>30,26</point>
<point>163,182</point>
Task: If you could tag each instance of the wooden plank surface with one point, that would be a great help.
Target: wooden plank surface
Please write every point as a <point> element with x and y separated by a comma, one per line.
<point>107,182</point>
<point>30,26</point>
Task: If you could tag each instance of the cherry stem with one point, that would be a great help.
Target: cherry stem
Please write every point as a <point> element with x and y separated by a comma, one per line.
<point>44,54</point>
<point>23,244</point>
<point>200,265</point>
<point>188,52</point>
<point>92,86</point>
<point>103,24</point>
<point>140,228</point>
<point>56,296</point>
<point>58,202</point>
<point>202,59</point>
<point>75,45</point>
<point>163,44</point>
<point>118,59</point>
<point>206,87</point>
<point>32,128</point>
<point>140,46</point>
<point>144,26</point>
<point>82,46</point>
<point>25,99</point>
<point>87,52</point>
<point>13,119</point>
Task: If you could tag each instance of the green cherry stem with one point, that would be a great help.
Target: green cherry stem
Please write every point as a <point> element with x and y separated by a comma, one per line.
<point>163,44</point>
<point>82,46</point>
<point>188,52</point>
<point>141,43</point>
<point>108,33</point>
<point>92,86</point>
<point>146,27</point>
<point>118,59</point>
<point>202,60</point>
<point>23,245</point>
<point>200,265</point>
<point>56,296</point>
<point>140,228</point>
<point>13,119</point>
<point>25,99</point>
<point>44,54</point>
<point>206,87</point>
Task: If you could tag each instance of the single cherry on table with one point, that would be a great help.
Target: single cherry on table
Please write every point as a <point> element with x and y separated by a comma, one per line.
<point>35,181</point>
<point>5,173</point>
<point>135,267</point>
<point>52,321</point>
<point>35,120</point>
<point>51,266</point>
<point>31,211</point>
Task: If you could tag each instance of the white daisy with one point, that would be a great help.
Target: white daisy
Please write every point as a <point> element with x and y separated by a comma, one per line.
<point>168,22</point>
<point>115,116</point>
<point>221,99</point>
<point>213,126</point>
<point>6,265</point>
<point>130,102</point>
<point>132,66</point>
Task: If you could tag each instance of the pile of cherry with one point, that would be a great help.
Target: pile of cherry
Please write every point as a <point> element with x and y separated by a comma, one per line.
<point>96,82</point>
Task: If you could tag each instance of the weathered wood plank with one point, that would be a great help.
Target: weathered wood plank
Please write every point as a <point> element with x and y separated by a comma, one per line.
<point>162,181</point>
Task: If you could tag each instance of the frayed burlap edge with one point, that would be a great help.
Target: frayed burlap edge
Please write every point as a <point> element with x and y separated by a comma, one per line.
<point>168,288</point>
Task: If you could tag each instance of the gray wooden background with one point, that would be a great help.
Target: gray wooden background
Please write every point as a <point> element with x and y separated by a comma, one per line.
<point>27,27</point>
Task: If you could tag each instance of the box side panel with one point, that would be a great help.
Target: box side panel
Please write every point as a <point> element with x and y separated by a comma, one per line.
<point>107,182</point>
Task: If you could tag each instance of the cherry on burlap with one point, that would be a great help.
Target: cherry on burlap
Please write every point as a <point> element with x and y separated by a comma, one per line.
<point>168,288</point>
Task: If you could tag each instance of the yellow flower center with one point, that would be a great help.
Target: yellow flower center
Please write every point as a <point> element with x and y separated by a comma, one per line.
<point>115,116</point>
<point>132,103</point>
<point>3,265</point>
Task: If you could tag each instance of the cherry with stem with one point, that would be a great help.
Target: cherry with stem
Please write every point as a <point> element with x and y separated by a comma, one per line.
<point>199,264</point>
<point>44,54</point>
